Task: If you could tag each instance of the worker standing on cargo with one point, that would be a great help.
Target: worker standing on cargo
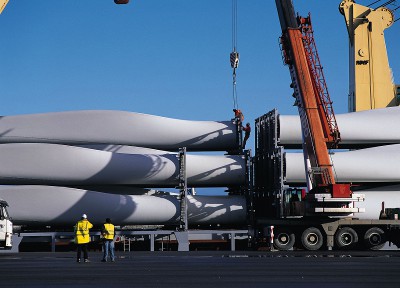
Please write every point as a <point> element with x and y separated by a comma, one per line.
<point>238,115</point>
<point>247,131</point>
<point>108,233</point>
<point>82,238</point>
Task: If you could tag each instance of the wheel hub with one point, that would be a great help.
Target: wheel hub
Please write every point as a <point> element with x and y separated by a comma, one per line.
<point>283,238</point>
<point>375,239</point>
<point>312,238</point>
<point>346,239</point>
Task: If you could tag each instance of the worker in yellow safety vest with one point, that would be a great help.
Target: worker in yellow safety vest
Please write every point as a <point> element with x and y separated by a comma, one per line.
<point>108,233</point>
<point>82,238</point>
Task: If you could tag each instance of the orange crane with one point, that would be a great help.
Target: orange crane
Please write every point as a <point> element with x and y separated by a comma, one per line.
<point>319,127</point>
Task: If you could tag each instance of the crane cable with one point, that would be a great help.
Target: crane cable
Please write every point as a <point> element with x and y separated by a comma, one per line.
<point>234,56</point>
<point>390,2</point>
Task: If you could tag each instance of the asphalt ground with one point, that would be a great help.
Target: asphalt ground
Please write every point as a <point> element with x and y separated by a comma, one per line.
<point>203,269</point>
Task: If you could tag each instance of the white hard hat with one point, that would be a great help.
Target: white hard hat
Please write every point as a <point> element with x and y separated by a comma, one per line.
<point>84,216</point>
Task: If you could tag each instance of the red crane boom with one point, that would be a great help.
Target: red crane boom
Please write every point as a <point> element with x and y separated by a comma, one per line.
<point>319,126</point>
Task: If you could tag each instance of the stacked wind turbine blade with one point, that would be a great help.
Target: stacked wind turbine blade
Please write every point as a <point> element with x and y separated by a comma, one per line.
<point>362,129</point>
<point>50,205</point>
<point>376,164</point>
<point>118,127</point>
<point>36,150</point>
<point>54,164</point>
<point>357,129</point>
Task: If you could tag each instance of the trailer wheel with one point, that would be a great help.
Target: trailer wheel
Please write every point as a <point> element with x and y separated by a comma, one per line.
<point>346,238</point>
<point>312,239</point>
<point>374,238</point>
<point>284,239</point>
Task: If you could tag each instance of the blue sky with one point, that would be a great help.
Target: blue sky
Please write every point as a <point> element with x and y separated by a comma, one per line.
<point>162,57</point>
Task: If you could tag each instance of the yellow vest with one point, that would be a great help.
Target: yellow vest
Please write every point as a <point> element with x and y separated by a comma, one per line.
<point>108,231</point>
<point>82,231</point>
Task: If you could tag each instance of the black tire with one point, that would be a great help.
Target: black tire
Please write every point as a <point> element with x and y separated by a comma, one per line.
<point>374,238</point>
<point>312,239</point>
<point>284,239</point>
<point>346,238</point>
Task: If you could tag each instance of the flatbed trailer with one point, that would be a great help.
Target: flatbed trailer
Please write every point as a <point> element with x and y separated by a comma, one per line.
<point>312,233</point>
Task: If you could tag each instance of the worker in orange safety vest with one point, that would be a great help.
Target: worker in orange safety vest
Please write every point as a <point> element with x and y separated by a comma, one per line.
<point>108,233</point>
<point>82,238</point>
<point>238,115</point>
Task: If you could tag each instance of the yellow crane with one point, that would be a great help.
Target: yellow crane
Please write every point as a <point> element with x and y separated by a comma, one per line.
<point>371,79</point>
<point>3,4</point>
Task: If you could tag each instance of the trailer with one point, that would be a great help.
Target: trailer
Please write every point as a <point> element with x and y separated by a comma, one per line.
<point>344,234</point>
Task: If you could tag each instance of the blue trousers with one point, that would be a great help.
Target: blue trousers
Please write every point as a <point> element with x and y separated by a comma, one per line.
<point>108,249</point>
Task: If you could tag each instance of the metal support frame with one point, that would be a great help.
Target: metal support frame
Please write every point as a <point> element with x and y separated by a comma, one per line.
<point>183,240</point>
<point>181,237</point>
<point>249,194</point>
<point>240,134</point>
<point>183,220</point>
<point>269,164</point>
<point>249,188</point>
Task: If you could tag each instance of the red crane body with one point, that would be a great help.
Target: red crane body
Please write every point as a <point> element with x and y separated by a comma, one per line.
<point>319,127</point>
